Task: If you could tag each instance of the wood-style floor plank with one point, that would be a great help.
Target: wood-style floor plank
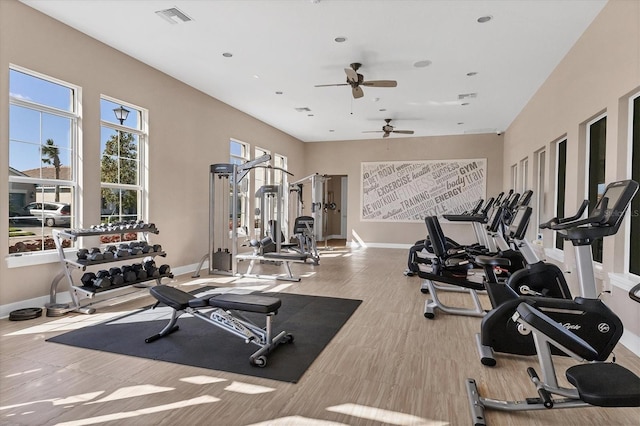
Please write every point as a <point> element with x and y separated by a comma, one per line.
<point>387,366</point>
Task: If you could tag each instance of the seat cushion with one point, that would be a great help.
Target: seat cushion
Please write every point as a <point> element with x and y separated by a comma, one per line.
<point>605,384</point>
<point>246,302</point>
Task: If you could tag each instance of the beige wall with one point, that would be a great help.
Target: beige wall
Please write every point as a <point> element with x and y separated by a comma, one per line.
<point>344,158</point>
<point>188,131</point>
<point>598,75</point>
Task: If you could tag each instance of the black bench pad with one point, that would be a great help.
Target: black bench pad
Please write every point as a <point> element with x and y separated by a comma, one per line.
<point>180,300</point>
<point>246,302</point>
<point>605,384</point>
<point>285,256</point>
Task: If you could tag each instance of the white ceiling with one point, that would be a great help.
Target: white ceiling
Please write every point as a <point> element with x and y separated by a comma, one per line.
<point>288,46</point>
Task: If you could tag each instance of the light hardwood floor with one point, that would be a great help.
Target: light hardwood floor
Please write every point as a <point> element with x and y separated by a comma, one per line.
<point>387,366</point>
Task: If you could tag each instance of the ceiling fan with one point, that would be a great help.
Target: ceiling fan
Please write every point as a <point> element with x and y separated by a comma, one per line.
<point>355,80</point>
<point>387,129</point>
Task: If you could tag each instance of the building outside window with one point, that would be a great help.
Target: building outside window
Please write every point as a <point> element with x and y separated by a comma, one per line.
<point>561,180</point>
<point>43,133</point>
<point>596,145</point>
<point>122,151</point>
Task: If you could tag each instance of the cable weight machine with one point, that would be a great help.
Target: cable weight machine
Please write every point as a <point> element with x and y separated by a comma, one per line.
<point>221,260</point>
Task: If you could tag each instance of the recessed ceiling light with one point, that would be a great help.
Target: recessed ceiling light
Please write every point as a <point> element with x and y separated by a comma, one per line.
<point>464,103</point>
<point>309,115</point>
<point>460,123</point>
<point>422,64</point>
<point>278,93</point>
<point>472,73</point>
<point>331,130</point>
<point>340,39</point>
<point>256,76</point>
<point>227,54</point>
<point>484,19</point>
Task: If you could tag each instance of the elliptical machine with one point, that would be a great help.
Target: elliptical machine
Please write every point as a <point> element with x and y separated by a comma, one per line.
<point>582,315</point>
<point>595,383</point>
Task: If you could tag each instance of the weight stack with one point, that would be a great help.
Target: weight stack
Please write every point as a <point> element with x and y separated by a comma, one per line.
<point>222,260</point>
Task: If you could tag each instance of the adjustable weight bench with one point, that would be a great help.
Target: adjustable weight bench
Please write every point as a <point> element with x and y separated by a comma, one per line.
<point>226,314</point>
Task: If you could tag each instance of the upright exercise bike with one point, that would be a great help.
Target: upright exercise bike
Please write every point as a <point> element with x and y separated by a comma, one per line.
<point>596,383</point>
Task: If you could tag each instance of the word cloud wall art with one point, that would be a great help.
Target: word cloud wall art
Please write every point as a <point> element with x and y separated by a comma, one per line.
<point>408,191</point>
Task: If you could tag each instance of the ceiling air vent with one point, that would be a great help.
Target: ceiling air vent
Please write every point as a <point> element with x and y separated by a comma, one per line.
<point>173,15</point>
<point>467,96</point>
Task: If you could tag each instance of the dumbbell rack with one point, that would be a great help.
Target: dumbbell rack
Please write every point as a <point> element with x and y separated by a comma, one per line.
<point>79,292</point>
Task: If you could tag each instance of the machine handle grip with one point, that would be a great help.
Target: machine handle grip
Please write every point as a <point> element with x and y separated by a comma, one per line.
<point>634,293</point>
<point>556,220</point>
<point>588,221</point>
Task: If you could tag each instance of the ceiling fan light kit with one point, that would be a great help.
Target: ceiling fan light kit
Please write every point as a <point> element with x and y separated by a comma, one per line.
<point>355,80</point>
<point>387,129</point>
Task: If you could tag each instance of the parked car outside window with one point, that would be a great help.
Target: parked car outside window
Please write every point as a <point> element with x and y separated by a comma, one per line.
<point>51,214</point>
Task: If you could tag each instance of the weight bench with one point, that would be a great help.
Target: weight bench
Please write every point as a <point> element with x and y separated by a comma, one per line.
<point>286,258</point>
<point>226,315</point>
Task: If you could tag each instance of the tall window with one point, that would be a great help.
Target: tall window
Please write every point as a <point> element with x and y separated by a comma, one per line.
<point>524,170</point>
<point>43,129</point>
<point>561,180</point>
<point>280,178</point>
<point>121,154</point>
<point>514,178</point>
<point>596,144</point>
<point>634,248</point>
<point>261,177</point>
<point>540,191</point>
<point>239,153</point>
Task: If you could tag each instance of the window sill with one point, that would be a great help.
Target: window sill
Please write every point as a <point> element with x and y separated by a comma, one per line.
<point>623,281</point>
<point>34,258</point>
<point>555,254</point>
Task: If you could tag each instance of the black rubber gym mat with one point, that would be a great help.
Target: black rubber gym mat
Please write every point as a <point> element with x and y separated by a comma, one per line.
<point>313,321</point>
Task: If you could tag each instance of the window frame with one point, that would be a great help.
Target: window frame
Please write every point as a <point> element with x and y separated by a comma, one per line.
<point>635,212</point>
<point>597,244</point>
<point>75,117</point>
<point>243,193</point>
<point>142,186</point>
<point>557,239</point>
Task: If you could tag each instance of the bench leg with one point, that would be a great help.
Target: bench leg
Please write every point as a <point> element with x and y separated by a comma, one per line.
<point>168,329</point>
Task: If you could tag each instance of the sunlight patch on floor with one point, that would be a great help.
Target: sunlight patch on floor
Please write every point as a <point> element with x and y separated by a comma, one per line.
<point>383,416</point>
<point>297,421</point>
<point>69,323</point>
<point>247,388</point>
<point>202,380</point>
<point>206,399</point>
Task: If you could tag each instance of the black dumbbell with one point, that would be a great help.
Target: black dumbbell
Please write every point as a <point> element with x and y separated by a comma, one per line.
<point>82,253</point>
<point>165,269</point>
<point>108,255</point>
<point>128,273</point>
<point>122,253</point>
<point>111,248</point>
<point>141,273</point>
<point>95,254</point>
<point>135,251</point>
<point>116,276</point>
<point>157,248</point>
<point>103,279</point>
<point>87,279</point>
<point>151,268</point>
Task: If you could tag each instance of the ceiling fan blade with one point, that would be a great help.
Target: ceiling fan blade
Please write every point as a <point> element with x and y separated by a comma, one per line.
<point>351,75</point>
<point>406,132</point>
<point>327,85</point>
<point>373,131</point>
<point>380,83</point>
<point>357,92</point>
<point>386,135</point>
